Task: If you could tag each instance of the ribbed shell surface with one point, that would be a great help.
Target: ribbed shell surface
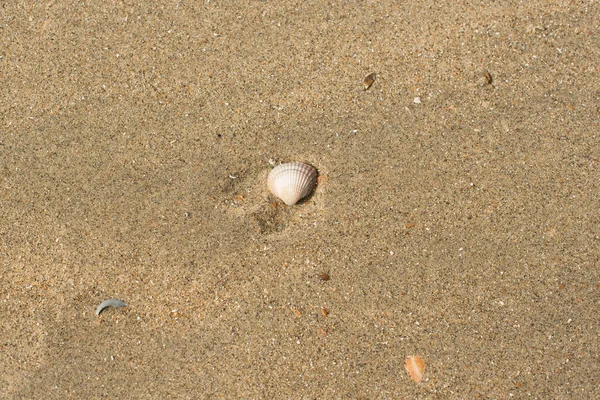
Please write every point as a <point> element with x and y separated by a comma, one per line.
<point>292,181</point>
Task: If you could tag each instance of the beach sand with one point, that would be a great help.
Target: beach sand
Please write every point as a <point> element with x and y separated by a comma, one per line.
<point>457,212</point>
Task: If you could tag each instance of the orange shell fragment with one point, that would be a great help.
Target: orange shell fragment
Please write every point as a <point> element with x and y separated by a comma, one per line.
<point>415,366</point>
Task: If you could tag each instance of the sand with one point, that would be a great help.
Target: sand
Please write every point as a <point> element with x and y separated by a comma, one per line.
<point>457,212</point>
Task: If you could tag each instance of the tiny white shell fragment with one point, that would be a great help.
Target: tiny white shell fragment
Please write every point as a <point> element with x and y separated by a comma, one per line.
<point>110,303</point>
<point>292,181</point>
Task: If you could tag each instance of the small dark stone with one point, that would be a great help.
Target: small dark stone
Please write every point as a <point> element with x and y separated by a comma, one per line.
<point>324,276</point>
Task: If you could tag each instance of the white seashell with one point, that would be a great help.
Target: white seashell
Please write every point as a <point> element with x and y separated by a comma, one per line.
<point>292,181</point>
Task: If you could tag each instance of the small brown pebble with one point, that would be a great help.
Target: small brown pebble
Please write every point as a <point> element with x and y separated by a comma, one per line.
<point>325,312</point>
<point>322,180</point>
<point>369,79</point>
<point>415,366</point>
<point>488,78</point>
<point>485,78</point>
<point>324,277</point>
<point>298,313</point>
